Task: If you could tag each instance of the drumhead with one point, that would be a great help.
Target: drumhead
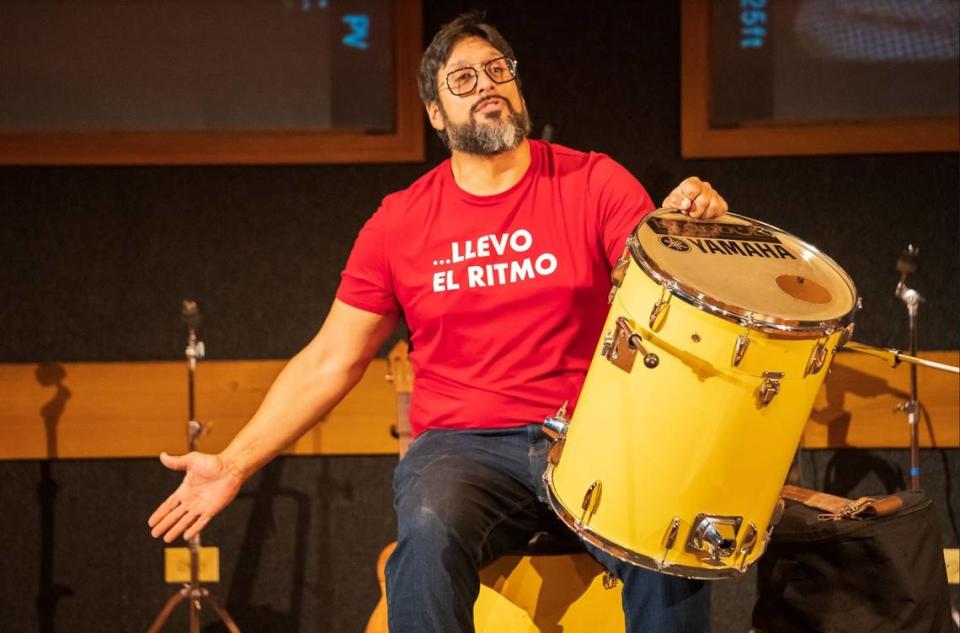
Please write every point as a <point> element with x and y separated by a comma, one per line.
<point>745,270</point>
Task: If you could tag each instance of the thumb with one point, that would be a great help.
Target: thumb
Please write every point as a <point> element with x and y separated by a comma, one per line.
<point>677,200</point>
<point>175,462</point>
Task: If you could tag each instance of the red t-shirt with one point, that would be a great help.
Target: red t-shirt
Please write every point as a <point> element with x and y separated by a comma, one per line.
<point>504,295</point>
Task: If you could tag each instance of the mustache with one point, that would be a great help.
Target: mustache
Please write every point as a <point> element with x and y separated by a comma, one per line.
<point>486,100</point>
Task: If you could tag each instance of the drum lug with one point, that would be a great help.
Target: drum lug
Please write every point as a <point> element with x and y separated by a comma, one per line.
<point>715,536</point>
<point>774,521</point>
<point>845,335</point>
<point>669,538</point>
<point>671,535</point>
<point>748,543</point>
<point>590,501</point>
<point>659,309</point>
<point>620,347</point>
<point>740,347</point>
<point>818,357</point>
<point>769,388</point>
<point>618,273</point>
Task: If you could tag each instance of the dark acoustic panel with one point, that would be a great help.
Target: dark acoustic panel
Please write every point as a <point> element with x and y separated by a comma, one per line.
<point>298,548</point>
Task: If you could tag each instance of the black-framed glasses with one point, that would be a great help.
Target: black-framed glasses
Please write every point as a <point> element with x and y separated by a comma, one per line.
<point>463,81</point>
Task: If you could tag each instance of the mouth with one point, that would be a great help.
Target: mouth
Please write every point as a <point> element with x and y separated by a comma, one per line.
<point>490,104</point>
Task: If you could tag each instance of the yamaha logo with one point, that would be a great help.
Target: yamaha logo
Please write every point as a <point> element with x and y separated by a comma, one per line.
<point>674,243</point>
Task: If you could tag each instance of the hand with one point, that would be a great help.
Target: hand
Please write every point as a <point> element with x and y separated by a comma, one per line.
<point>207,488</point>
<point>697,199</point>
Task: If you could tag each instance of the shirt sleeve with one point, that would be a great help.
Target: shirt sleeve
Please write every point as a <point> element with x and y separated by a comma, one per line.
<point>622,202</point>
<point>367,280</point>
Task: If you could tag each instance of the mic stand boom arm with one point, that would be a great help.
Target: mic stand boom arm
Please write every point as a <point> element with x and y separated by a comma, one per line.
<point>894,357</point>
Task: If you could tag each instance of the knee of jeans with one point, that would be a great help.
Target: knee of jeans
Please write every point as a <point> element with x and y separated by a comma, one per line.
<point>432,514</point>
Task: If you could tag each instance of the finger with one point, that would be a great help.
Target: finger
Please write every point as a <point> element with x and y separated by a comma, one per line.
<point>710,209</point>
<point>692,187</point>
<point>185,521</point>
<point>166,522</point>
<point>676,201</point>
<point>707,204</point>
<point>684,195</point>
<point>716,207</point>
<point>175,462</point>
<point>703,199</point>
<point>163,509</point>
<point>197,527</point>
<point>697,208</point>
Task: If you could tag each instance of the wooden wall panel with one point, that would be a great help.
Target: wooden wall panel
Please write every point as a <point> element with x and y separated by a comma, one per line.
<point>140,409</point>
<point>76,410</point>
<point>291,146</point>
<point>699,140</point>
<point>856,406</point>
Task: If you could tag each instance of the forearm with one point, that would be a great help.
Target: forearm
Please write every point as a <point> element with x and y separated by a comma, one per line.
<point>305,390</point>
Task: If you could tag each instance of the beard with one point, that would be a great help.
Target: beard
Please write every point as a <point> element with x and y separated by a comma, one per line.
<point>488,135</point>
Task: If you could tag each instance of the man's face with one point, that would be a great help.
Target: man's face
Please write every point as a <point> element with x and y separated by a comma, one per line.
<point>489,120</point>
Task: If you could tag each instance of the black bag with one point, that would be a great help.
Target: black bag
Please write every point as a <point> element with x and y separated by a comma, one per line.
<point>879,574</point>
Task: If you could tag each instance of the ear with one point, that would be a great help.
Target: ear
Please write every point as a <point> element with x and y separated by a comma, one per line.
<point>436,118</point>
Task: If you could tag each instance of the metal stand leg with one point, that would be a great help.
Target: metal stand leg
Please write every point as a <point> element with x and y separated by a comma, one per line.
<point>222,612</point>
<point>165,612</point>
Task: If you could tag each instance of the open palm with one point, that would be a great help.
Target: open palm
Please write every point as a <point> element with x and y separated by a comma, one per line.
<point>206,489</point>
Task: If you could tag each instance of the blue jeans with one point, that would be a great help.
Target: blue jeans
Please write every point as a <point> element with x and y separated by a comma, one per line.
<point>464,498</point>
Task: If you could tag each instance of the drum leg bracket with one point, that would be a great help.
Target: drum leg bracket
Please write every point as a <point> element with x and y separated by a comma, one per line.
<point>715,536</point>
<point>620,347</point>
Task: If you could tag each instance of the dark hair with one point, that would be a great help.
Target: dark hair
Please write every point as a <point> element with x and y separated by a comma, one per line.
<point>469,24</point>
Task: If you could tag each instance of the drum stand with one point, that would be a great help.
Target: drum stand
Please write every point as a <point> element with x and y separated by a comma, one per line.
<point>192,591</point>
<point>911,298</point>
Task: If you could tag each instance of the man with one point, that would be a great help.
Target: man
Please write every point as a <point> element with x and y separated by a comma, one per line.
<point>499,261</point>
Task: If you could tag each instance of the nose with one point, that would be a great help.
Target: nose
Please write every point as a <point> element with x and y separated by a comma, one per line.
<point>485,85</point>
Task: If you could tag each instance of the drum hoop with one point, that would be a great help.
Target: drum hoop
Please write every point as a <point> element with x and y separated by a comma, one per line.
<point>753,320</point>
<point>627,555</point>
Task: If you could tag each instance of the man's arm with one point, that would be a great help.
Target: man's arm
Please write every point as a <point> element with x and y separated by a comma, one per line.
<point>309,386</point>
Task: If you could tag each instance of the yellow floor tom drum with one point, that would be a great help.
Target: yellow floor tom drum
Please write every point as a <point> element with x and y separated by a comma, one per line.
<point>719,335</point>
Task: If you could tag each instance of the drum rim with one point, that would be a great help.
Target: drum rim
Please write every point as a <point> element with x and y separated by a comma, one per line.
<point>731,312</point>
<point>629,556</point>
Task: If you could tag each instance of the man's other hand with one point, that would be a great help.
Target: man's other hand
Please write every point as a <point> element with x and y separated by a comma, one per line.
<point>697,199</point>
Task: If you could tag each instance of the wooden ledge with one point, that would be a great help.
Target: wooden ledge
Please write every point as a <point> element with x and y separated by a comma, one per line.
<point>86,410</point>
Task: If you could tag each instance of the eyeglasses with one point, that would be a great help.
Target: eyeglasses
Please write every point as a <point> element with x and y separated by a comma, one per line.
<point>463,81</point>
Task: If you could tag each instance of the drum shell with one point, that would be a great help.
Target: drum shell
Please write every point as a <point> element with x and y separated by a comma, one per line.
<point>687,437</point>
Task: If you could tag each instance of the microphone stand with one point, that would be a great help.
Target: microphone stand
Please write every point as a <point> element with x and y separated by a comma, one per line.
<point>193,592</point>
<point>911,298</point>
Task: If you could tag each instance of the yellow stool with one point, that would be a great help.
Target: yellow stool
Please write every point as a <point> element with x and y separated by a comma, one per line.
<point>535,593</point>
<point>548,594</point>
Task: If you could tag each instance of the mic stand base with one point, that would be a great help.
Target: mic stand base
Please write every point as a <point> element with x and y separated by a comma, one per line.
<point>196,596</point>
